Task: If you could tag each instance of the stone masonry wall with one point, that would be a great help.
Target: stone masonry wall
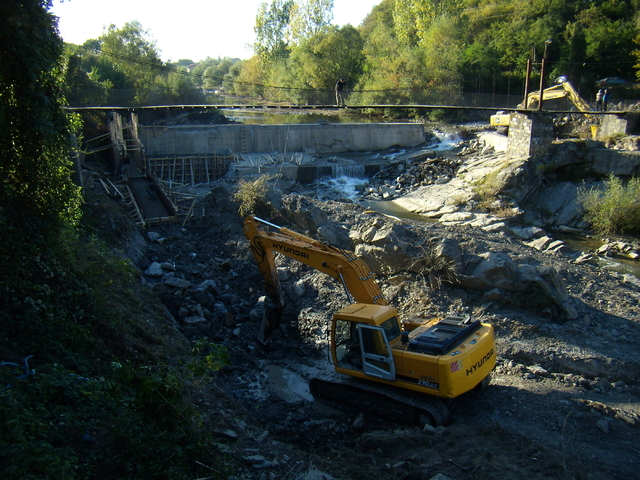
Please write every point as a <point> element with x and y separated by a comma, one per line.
<point>530,135</point>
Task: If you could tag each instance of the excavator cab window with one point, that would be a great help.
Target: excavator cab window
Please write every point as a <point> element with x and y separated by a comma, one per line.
<point>377,359</point>
<point>347,345</point>
<point>391,329</point>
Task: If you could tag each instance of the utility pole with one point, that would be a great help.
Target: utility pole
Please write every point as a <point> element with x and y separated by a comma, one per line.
<point>530,61</point>
<point>542,68</point>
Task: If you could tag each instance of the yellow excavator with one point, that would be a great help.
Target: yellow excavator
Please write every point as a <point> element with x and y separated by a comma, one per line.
<point>562,88</point>
<point>409,366</point>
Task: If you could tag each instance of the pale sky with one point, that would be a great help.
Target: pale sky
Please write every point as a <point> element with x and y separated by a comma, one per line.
<point>193,29</point>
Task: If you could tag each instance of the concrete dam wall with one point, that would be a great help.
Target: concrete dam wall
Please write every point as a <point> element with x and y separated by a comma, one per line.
<point>179,140</point>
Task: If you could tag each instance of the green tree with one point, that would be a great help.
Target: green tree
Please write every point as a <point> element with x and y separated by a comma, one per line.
<point>310,17</point>
<point>272,29</point>
<point>443,49</point>
<point>38,198</point>
<point>39,203</point>
<point>132,51</point>
<point>200,68</point>
<point>414,17</point>
<point>248,78</point>
<point>82,88</point>
<point>321,59</point>
<point>608,34</point>
<point>214,75</point>
<point>176,88</point>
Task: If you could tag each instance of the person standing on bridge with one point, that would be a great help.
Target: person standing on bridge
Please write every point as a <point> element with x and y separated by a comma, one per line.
<point>605,99</point>
<point>341,89</point>
<point>599,100</point>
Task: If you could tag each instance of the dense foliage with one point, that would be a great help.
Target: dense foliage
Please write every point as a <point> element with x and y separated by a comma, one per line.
<point>460,52</point>
<point>451,51</point>
<point>615,208</point>
<point>123,67</point>
<point>94,383</point>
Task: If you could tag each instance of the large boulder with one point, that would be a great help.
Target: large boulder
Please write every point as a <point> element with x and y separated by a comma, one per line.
<point>303,216</point>
<point>389,248</point>
<point>383,245</point>
<point>556,205</point>
<point>538,287</point>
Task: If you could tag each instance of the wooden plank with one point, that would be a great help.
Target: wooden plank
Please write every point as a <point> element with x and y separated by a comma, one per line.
<point>104,185</point>
<point>135,204</point>
<point>116,189</point>
<point>193,204</point>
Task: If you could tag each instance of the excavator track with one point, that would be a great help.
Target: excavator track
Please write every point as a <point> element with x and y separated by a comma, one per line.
<point>386,401</point>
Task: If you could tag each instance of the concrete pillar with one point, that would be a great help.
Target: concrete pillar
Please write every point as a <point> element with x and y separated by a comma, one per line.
<point>614,124</point>
<point>530,135</point>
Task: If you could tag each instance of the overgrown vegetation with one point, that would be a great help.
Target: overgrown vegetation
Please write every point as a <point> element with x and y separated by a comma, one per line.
<point>94,380</point>
<point>487,190</point>
<point>613,209</point>
<point>251,193</point>
<point>405,52</point>
<point>417,52</point>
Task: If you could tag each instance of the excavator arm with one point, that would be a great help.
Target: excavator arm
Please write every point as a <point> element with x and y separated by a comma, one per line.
<point>563,88</point>
<point>340,264</point>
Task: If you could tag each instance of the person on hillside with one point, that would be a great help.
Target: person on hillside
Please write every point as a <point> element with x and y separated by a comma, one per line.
<point>599,100</point>
<point>341,89</point>
<point>605,99</point>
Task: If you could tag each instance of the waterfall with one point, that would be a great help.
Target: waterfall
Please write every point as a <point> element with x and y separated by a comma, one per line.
<point>448,140</point>
<point>352,171</point>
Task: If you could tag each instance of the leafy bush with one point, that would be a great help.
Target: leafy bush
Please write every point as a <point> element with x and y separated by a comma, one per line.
<point>250,194</point>
<point>436,115</point>
<point>110,389</point>
<point>613,209</point>
<point>134,421</point>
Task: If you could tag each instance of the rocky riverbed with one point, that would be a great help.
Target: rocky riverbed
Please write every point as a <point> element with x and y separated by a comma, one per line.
<point>564,399</point>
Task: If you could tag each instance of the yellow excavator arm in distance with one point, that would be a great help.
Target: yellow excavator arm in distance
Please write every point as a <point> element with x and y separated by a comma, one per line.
<point>563,88</point>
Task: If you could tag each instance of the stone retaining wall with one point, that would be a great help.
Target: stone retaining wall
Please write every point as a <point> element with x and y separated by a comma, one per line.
<point>530,135</point>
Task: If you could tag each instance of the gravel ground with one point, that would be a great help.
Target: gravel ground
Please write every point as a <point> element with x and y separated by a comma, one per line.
<point>563,403</point>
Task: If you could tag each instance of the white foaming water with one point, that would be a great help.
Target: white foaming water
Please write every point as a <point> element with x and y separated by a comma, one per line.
<point>448,141</point>
<point>345,186</point>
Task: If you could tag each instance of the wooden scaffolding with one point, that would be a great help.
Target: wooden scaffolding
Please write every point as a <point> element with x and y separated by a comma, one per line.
<point>190,170</point>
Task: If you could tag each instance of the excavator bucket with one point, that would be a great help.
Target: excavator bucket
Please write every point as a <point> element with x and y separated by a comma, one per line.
<point>271,320</point>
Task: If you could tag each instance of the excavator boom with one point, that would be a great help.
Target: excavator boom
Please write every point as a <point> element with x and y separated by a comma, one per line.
<point>342,265</point>
<point>563,88</point>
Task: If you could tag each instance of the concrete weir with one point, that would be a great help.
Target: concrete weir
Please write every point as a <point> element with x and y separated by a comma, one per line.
<point>200,153</point>
<point>186,140</point>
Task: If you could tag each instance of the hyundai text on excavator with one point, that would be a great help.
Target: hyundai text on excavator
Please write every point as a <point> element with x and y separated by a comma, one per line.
<point>407,368</point>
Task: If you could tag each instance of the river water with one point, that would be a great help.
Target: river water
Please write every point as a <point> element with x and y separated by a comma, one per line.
<point>346,183</point>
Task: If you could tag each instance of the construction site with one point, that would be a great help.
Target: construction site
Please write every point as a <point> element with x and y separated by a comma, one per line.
<point>148,166</point>
<point>562,401</point>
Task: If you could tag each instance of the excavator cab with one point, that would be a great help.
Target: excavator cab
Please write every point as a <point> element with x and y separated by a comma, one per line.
<point>364,347</point>
<point>361,340</point>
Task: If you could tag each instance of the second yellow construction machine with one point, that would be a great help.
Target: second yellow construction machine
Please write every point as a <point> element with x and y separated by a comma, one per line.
<point>410,365</point>
<point>561,89</point>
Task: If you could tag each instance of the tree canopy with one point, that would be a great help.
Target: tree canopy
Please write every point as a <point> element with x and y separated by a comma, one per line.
<point>422,50</point>
<point>38,199</point>
<point>405,51</point>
